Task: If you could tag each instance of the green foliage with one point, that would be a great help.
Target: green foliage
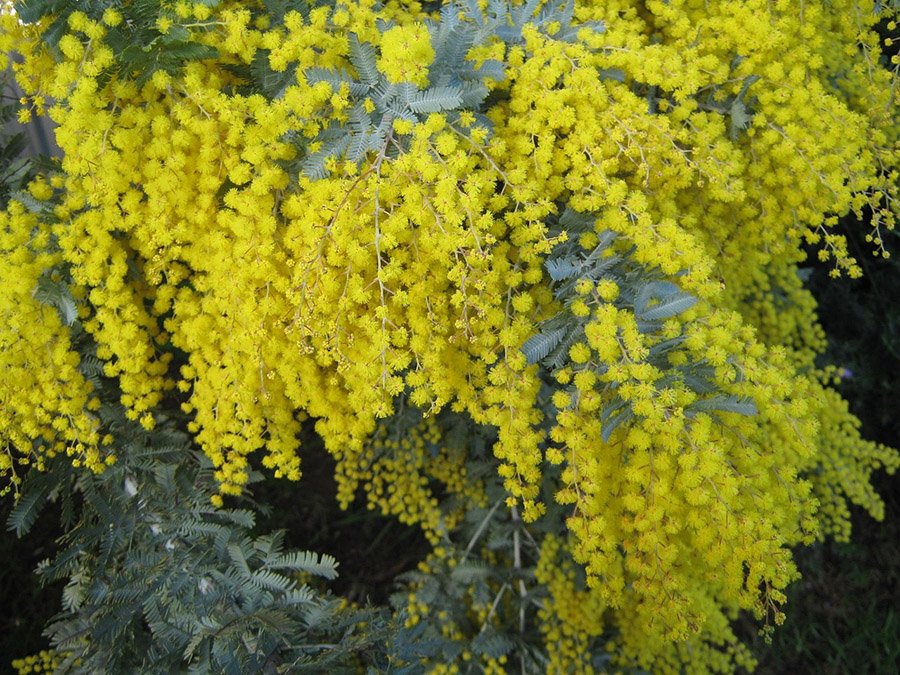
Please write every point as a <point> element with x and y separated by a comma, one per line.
<point>642,292</point>
<point>493,556</point>
<point>455,83</point>
<point>140,46</point>
<point>158,579</point>
<point>55,293</point>
<point>15,169</point>
<point>507,19</point>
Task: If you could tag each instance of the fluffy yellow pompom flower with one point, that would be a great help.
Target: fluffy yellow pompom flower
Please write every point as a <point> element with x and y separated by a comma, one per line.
<point>406,53</point>
<point>416,276</point>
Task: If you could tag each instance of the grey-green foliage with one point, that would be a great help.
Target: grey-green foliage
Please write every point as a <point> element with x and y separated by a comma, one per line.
<point>455,83</point>
<point>158,580</point>
<point>489,560</point>
<point>15,168</point>
<point>651,298</point>
<point>738,108</point>
<point>644,292</point>
<point>140,47</point>
<point>54,292</point>
<point>739,111</point>
<point>498,583</point>
<point>506,20</point>
<point>494,551</point>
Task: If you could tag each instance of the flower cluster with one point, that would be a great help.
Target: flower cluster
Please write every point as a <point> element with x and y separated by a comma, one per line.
<point>714,139</point>
<point>45,401</point>
<point>45,661</point>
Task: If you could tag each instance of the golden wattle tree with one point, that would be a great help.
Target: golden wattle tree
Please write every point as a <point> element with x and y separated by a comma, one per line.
<point>526,266</point>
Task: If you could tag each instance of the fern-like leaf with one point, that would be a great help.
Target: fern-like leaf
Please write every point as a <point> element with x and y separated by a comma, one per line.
<point>56,294</point>
<point>725,403</point>
<point>322,565</point>
<point>436,99</point>
<point>614,421</point>
<point>660,300</point>
<point>303,595</point>
<point>362,56</point>
<point>537,347</point>
<point>239,559</point>
<point>272,581</point>
<point>492,643</point>
<point>561,269</point>
<point>30,504</point>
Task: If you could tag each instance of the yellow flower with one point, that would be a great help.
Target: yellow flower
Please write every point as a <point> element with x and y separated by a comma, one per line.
<point>111,17</point>
<point>406,54</point>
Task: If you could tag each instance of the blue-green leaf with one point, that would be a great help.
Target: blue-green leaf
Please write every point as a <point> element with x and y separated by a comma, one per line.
<point>725,403</point>
<point>614,421</point>
<point>561,269</point>
<point>362,56</point>
<point>56,294</point>
<point>660,300</point>
<point>537,347</point>
<point>436,99</point>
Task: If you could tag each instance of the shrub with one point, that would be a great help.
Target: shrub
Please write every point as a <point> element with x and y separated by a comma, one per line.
<point>531,269</point>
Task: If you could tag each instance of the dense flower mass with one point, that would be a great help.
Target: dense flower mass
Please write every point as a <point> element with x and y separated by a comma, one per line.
<point>322,215</point>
